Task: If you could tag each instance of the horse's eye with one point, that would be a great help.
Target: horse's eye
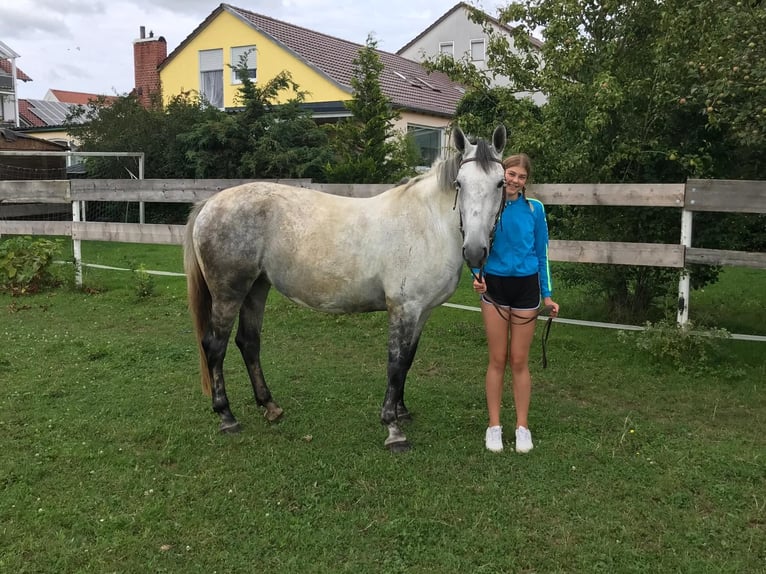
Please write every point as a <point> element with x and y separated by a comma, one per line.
<point>501,183</point>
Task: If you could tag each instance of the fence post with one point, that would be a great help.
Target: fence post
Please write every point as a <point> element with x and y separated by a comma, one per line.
<point>141,207</point>
<point>77,246</point>
<point>684,285</point>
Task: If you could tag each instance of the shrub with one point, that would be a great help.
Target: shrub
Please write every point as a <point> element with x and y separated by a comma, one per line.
<point>144,285</point>
<point>25,264</point>
<point>685,348</point>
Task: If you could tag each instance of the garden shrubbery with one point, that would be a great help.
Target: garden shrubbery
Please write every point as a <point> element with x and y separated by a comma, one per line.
<point>26,264</point>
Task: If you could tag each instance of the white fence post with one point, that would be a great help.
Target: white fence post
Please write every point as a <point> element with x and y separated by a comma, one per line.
<point>141,207</point>
<point>684,285</point>
<point>77,246</point>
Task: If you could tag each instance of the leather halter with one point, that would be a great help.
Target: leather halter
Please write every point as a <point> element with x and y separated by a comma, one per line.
<point>497,215</point>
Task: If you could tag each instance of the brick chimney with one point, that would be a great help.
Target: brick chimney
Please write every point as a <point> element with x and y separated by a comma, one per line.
<point>148,54</point>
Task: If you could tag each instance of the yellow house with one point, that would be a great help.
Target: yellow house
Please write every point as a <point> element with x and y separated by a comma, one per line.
<point>321,66</point>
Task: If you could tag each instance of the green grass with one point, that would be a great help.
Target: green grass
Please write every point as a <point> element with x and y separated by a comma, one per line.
<point>112,461</point>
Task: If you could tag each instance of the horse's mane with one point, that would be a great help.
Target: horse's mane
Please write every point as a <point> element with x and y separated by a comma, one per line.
<point>446,168</point>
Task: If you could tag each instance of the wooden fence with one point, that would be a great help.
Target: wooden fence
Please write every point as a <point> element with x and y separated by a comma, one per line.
<point>695,196</point>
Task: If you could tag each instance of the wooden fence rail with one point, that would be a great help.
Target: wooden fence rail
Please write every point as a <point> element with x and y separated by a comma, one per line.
<point>695,196</point>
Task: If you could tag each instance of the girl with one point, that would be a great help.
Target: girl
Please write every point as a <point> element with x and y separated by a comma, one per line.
<point>516,276</point>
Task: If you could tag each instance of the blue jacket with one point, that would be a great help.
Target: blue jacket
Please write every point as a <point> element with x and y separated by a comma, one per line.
<point>520,247</point>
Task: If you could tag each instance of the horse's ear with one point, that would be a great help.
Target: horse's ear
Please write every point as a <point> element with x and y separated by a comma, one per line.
<point>459,139</point>
<point>499,138</point>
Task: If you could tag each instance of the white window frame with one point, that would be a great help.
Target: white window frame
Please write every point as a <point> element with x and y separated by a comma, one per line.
<point>441,134</point>
<point>252,63</point>
<point>211,61</point>
<point>447,52</point>
<point>475,43</point>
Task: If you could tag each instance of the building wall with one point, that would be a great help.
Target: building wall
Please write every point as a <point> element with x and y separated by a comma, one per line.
<point>29,167</point>
<point>7,110</point>
<point>58,136</point>
<point>459,29</point>
<point>182,74</point>
<point>456,28</point>
<point>430,127</point>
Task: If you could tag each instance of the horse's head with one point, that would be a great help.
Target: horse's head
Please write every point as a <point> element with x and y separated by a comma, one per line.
<point>480,192</point>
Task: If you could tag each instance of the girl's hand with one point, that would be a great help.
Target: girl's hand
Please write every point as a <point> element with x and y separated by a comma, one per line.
<point>548,302</point>
<point>479,286</point>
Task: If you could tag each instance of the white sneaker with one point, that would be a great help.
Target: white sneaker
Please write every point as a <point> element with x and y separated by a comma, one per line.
<point>493,440</point>
<point>523,440</point>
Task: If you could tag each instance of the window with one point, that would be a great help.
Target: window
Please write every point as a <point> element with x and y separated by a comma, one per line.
<point>211,77</point>
<point>429,142</point>
<point>477,50</point>
<point>242,55</point>
<point>447,48</point>
<point>6,82</point>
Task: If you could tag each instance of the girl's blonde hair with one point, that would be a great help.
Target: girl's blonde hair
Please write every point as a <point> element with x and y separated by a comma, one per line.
<point>519,159</point>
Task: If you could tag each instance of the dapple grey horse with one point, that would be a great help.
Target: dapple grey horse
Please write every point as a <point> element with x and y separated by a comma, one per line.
<point>401,251</point>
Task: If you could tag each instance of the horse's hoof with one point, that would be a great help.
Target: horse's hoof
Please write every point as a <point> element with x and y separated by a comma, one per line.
<point>398,446</point>
<point>230,428</point>
<point>273,413</point>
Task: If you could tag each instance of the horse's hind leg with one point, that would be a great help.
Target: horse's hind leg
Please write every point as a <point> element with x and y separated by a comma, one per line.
<point>249,342</point>
<point>214,343</point>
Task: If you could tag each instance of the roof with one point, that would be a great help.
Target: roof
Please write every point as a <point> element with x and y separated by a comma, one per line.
<point>5,65</point>
<point>11,136</point>
<point>405,82</point>
<point>6,51</point>
<point>44,113</point>
<point>462,5</point>
<point>27,116</point>
<point>81,98</point>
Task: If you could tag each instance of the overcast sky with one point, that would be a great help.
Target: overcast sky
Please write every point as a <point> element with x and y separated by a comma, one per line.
<point>87,45</point>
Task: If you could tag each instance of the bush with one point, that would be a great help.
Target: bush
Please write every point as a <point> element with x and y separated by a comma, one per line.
<point>686,349</point>
<point>25,264</point>
<point>144,282</point>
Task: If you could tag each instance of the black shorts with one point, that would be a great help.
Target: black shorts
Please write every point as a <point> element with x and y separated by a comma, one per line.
<point>520,293</point>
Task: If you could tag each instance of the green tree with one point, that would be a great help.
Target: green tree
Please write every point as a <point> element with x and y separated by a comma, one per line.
<point>283,139</point>
<point>367,150</point>
<point>643,92</point>
<point>188,138</point>
<point>125,125</point>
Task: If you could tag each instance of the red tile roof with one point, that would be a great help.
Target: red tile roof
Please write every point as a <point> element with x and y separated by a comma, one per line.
<point>45,113</point>
<point>25,114</point>
<point>5,65</point>
<point>81,98</point>
<point>405,82</point>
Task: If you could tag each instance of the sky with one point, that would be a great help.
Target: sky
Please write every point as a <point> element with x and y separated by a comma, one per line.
<point>87,45</point>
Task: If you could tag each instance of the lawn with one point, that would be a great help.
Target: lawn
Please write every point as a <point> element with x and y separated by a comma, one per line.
<point>112,461</point>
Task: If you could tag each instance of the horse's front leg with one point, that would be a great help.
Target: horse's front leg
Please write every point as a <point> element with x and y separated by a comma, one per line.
<point>403,336</point>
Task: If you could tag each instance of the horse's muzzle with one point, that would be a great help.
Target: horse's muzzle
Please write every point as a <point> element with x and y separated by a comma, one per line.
<point>475,256</point>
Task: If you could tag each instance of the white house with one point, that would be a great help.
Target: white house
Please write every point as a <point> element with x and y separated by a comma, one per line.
<point>456,35</point>
<point>9,74</point>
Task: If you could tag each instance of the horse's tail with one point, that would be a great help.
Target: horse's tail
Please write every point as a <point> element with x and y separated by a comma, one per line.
<point>200,301</point>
